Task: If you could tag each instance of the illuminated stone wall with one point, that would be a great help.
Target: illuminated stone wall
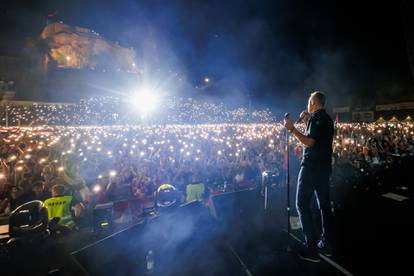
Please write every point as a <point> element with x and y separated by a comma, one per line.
<point>77,48</point>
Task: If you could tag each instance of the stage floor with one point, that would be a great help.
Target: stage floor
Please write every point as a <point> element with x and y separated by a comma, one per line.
<point>370,240</point>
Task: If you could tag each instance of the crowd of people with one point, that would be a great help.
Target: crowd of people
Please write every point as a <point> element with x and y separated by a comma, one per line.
<point>373,143</point>
<point>130,161</point>
<point>98,164</point>
<point>118,111</point>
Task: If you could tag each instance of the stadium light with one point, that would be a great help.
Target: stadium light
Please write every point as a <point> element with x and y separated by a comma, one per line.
<point>144,101</point>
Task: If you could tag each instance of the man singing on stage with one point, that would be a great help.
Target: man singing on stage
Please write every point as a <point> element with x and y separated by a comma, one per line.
<point>314,175</point>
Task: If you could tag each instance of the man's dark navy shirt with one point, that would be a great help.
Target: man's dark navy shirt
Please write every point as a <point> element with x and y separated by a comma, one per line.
<point>319,155</point>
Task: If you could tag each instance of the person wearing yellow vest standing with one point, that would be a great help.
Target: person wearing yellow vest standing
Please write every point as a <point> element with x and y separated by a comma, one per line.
<point>61,206</point>
<point>196,190</point>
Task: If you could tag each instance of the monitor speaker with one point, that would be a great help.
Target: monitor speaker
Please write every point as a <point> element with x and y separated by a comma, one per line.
<point>237,210</point>
<point>102,218</point>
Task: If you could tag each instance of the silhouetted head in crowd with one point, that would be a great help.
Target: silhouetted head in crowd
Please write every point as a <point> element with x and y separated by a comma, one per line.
<point>58,190</point>
<point>38,188</point>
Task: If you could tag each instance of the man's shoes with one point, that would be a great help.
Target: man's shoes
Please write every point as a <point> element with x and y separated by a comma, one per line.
<point>309,255</point>
<point>324,248</point>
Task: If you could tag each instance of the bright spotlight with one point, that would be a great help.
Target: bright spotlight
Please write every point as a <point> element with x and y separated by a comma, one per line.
<point>96,188</point>
<point>145,101</point>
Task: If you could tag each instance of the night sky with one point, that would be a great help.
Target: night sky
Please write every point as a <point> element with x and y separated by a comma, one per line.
<point>276,52</point>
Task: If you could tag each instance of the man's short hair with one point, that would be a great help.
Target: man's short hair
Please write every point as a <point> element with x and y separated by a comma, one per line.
<point>319,98</point>
<point>58,190</point>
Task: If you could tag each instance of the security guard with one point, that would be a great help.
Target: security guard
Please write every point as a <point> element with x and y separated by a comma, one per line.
<point>195,190</point>
<point>60,206</point>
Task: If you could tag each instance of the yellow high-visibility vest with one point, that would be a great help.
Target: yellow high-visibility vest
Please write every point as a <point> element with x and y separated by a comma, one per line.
<point>60,207</point>
<point>195,192</point>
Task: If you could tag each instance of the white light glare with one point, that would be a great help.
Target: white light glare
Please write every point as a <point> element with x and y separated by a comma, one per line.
<point>96,188</point>
<point>145,101</point>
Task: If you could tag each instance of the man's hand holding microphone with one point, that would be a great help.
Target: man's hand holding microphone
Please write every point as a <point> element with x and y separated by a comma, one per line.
<point>288,123</point>
<point>304,117</point>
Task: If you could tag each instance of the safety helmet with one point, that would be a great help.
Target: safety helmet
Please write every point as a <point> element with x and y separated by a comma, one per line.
<point>29,219</point>
<point>166,196</point>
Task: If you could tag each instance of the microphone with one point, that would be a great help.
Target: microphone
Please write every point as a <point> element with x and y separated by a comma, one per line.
<point>297,121</point>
